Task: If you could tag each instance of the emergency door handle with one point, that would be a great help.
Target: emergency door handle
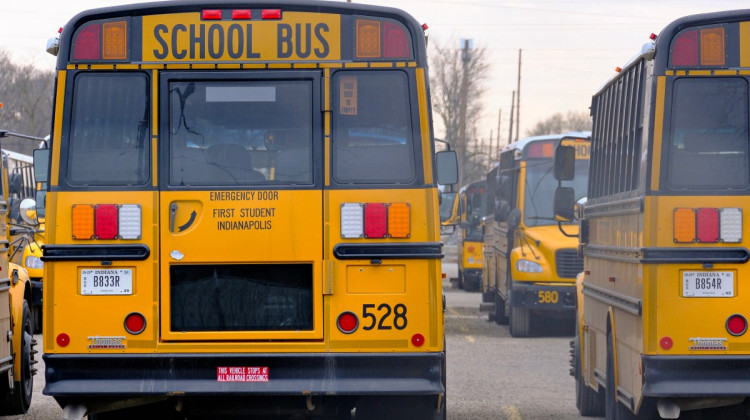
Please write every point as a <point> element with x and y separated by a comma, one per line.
<point>172,215</point>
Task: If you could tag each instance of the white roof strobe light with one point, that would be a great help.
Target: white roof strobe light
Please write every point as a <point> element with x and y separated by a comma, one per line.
<point>352,220</point>
<point>730,224</point>
<point>130,221</point>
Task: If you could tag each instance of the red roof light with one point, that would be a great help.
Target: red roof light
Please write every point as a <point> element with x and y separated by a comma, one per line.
<point>211,14</point>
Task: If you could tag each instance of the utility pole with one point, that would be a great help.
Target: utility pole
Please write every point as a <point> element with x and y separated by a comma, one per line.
<point>489,149</point>
<point>462,145</point>
<point>512,108</point>
<point>518,98</point>
<point>499,119</point>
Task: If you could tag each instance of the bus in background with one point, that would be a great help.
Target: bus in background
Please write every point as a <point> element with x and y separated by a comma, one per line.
<point>470,208</point>
<point>26,233</point>
<point>531,264</point>
<point>664,313</point>
<point>243,212</point>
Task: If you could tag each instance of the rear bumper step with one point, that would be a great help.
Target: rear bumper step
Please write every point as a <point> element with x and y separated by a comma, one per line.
<point>197,374</point>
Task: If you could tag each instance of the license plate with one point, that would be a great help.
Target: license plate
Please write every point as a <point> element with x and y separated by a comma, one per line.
<point>108,281</point>
<point>708,283</point>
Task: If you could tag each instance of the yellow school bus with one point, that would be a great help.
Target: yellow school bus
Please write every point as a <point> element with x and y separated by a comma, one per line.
<point>663,317</point>
<point>470,207</point>
<point>531,264</point>
<point>243,213</point>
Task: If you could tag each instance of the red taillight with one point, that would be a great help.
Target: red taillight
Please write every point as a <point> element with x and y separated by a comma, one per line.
<point>395,41</point>
<point>375,220</point>
<point>270,14</point>
<point>470,248</point>
<point>88,43</point>
<point>135,323</point>
<point>242,14</point>
<point>211,14</point>
<point>63,340</point>
<point>105,222</point>
<point>417,340</point>
<point>347,322</point>
<point>707,225</point>
<point>685,51</point>
<point>666,343</point>
<point>736,324</point>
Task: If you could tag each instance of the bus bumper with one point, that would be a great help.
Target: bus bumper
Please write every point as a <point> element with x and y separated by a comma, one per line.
<point>544,298</point>
<point>696,376</point>
<point>472,278</point>
<point>78,377</point>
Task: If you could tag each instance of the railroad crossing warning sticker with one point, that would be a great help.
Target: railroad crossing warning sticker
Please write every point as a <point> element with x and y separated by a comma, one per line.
<point>242,374</point>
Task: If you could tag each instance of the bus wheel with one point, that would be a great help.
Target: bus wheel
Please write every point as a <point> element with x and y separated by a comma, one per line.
<point>500,317</point>
<point>588,401</point>
<point>613,410</point>
<point>520,321</point>
<point>18,400</point>
<point>400,408</point>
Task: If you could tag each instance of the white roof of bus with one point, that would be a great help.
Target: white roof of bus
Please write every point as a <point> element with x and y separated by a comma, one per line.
<point>520,144</point>
<point>18,156</point>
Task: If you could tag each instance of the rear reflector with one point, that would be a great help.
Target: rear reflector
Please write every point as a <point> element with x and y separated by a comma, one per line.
<point>135,323</point>
<point>347,322</point>
<point>736,325</point>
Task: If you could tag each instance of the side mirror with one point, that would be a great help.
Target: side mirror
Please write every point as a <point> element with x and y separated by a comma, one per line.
<point>502,208</point>
<point>447,201</point>
<point>514,218</point>
<point>28,211</point>
<point>564,204</point>
<point>447,167</point>
<point>41,165</point>
<point>565,163</point>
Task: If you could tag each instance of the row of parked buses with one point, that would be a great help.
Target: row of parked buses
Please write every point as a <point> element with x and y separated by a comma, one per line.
<point>301,133</point>
<point>650,266</point>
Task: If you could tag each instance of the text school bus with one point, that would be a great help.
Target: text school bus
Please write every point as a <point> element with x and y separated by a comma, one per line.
<point>531,264</point>
<point>243,213</point>
<point>663,320</point>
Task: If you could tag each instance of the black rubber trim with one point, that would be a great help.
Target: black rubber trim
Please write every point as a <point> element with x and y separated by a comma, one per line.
<point>414,250</point>
<point>94,252</point>
<point>694,255</point>
<point>527,296</point>
<point>193,374</point>
<point>696,376</point>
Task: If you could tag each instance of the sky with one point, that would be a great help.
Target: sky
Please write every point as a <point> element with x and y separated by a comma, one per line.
<point>570,47</point>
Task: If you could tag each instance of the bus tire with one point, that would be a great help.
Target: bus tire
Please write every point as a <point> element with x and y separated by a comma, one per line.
<point>500,317</point>
<point>18,400</point>
<point>590,403</point>
<point>613,410</point>
<point>520,321</point>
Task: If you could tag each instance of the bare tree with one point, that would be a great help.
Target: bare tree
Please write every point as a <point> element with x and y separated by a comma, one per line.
<point>26,95</point>
<point>557,123</point>
<point>458,75</point>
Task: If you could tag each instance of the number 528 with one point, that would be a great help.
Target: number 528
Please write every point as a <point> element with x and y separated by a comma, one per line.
<point>384,317</point>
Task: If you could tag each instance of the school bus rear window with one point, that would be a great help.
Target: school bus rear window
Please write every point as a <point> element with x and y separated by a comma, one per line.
<point>240,132</point>
<point>372,139</point>
<point>109,134</point>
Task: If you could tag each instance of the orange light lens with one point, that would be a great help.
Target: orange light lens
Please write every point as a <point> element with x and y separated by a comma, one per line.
<point>115,40</point>
<point>368,38</point>
<point>83,221</point>
<point>712,47</point>
<point>684,225</point>
<point>399,220</point>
